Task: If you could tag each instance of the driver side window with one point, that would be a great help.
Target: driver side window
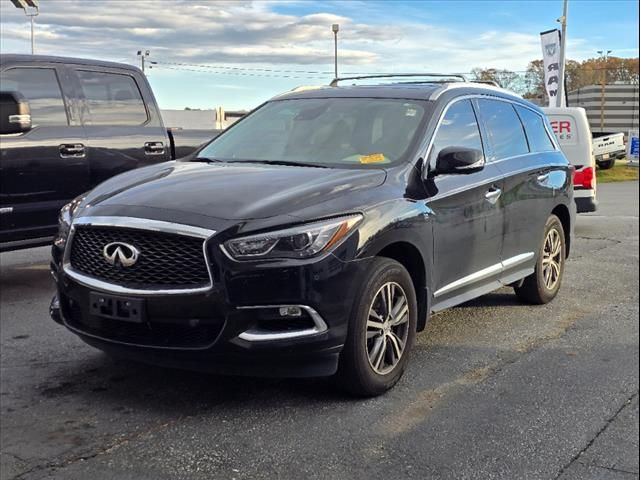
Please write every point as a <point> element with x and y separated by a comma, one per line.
<point>459,128</point>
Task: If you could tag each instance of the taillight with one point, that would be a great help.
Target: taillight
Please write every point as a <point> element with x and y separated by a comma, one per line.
<point>584,177</point>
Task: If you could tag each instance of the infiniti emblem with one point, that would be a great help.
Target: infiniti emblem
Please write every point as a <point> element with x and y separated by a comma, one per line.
<point>120,253</point>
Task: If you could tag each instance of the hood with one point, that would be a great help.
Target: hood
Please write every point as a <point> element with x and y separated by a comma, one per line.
<point>232,191</point>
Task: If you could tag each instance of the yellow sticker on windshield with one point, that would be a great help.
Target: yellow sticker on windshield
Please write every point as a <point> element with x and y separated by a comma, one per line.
<point>373,158</point>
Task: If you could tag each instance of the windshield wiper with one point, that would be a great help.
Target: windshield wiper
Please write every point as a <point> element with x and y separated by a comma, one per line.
<point>206,160</point>
<point>285,162</point>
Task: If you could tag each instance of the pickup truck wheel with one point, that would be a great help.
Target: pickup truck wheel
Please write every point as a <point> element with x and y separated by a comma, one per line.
<point>381,332</point>
<point>543,284</point>
<point>606,164</point>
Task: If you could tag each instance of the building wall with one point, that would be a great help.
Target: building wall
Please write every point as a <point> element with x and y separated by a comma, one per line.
<point>200,119</point>
<point>620,106</point>
<point>189,119</point>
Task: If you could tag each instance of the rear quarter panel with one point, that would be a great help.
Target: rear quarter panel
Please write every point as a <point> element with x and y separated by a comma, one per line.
<point>535,184</point>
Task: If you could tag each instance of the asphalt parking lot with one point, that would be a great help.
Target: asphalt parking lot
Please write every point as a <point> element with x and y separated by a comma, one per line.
<point>494,390</point>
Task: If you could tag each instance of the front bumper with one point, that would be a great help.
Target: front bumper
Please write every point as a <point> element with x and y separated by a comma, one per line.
<point>229,329</point>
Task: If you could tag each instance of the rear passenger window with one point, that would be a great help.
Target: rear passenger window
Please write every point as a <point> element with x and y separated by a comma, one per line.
<point>113,99</point>
<point>41,88</point>
<point>504,129</point>
<point>459,128</point>
<point>537,135</point>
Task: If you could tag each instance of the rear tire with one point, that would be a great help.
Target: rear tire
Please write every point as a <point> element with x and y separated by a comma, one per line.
<point>606,164</point>
<point>379,339</point>
<point>543,284</point>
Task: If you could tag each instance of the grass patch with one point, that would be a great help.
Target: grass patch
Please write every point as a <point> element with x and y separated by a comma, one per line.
<point>621,172</point>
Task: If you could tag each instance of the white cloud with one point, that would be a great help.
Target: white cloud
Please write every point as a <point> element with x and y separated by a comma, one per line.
<point>246,32</point>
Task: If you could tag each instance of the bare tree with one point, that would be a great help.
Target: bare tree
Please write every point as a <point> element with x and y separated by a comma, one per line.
<point>503,78</point>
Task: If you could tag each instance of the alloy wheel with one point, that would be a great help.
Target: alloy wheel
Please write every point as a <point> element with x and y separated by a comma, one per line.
<point>387,328</point>
<point>552,259</point>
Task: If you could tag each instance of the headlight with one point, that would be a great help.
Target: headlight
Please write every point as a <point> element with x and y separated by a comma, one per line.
<point>298,242</point>
<point>64,220</point>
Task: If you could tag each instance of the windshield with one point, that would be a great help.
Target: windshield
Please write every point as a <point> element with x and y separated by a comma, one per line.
<point>325,131</point>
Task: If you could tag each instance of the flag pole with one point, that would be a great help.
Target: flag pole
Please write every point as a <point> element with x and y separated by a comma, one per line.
<point>560,102</point>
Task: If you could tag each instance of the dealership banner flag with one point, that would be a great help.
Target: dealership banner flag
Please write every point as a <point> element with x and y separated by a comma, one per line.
<point>551,56</point>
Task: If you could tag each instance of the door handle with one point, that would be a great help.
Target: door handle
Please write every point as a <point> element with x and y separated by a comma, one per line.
<point>543,177</point>
<point>493,195</point>
<point>153,148</point>
<point>72,150</point>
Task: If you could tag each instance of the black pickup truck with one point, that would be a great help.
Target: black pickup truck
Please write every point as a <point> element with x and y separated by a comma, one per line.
<point>66,125</point>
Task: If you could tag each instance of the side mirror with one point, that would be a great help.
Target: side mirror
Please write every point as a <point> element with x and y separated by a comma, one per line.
<point>15,114</point>
<point>459,160</point>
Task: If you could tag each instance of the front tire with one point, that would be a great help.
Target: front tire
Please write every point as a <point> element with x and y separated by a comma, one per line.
<point>381,332</point>
<point>543,284</point>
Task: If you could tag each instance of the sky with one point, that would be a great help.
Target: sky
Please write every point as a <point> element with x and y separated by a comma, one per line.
<point>238,54</point>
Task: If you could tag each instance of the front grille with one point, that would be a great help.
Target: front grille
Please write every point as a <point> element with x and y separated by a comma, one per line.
<point>165,261</point>
<point>156,333</point>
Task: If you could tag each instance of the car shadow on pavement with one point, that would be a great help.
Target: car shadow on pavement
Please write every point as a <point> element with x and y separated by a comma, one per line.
<point>126,384</point>
<point>120,383</point>
<point>501,298</point>
<point>24,282</point>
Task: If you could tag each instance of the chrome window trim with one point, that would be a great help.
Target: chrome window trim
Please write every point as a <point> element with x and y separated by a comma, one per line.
<point>426,151</point>
<point>138,224</point>
<point>426,146</point>
<point>485,273</point>
<point>552,138</point>
<point>255,335</point>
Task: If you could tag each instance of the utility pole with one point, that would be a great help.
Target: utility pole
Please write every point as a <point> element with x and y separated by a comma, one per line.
<point>560,102</point>
<point>31,9</point>
<point>604,54</point>
<point>335,28</point>
<point>142,54</point>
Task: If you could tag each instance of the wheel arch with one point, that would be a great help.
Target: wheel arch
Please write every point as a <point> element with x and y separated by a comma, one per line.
<point>410,257</point>
<point>562,212</point>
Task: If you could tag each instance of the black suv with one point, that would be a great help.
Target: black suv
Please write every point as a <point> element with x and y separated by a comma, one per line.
<point>316,235</point>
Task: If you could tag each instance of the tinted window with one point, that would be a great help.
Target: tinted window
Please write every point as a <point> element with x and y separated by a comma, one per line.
<point>539,140</point>
<point>41,88</point>
<point>459,128</point>
<point>364,132</point>
<point>504,129</point>
<point>113,99</point>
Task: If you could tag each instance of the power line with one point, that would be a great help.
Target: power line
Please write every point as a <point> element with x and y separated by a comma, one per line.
<point>226,67</point>
<point>320,74</point>
<point>234,73</point>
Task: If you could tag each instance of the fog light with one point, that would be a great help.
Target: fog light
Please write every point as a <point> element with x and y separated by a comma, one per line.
<point>290,312</point>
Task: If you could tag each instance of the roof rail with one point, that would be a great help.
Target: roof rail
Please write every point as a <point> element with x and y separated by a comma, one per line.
<point>439,91</point>
<point>487,82</point>
<point>461,78</point>
<point>300,88</point>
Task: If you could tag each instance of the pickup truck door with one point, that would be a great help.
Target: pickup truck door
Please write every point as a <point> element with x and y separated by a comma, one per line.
<point>121,121</point>
<point>46,167</point>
